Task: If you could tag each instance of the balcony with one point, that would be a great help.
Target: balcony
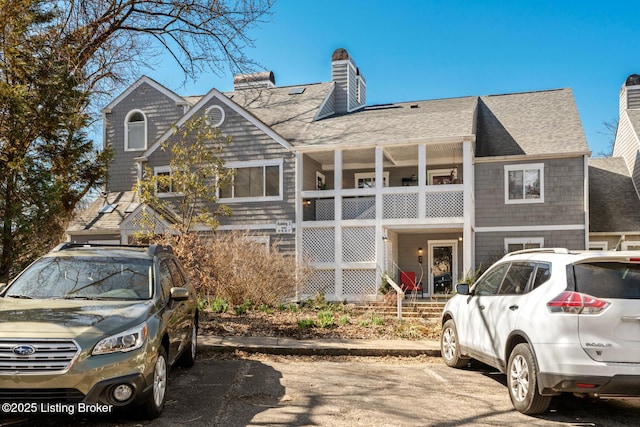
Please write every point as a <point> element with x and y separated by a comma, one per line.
<point>438,201</point>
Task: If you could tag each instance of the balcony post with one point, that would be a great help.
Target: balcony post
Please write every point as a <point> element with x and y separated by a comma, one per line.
<point>338,221</point>
<point>468,244</point>
<point>422,181</point>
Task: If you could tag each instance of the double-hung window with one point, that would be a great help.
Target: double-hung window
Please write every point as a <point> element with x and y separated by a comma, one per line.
<point>254,181</point>
<point>164,183</point>
<point>524,183</point>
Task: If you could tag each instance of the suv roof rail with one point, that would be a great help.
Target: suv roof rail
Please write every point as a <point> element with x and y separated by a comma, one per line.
<point>151,249</point>
<point>540,250</point>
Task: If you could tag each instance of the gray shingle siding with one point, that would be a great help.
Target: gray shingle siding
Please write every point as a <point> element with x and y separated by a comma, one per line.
<point>490,246</point>
<point>161,113</point>
<point>563,195</point>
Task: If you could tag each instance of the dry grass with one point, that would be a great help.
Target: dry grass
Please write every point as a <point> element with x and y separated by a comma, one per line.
<point>341,321</point>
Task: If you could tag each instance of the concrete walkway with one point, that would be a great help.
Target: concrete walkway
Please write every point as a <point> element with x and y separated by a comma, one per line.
<point>334,347</point>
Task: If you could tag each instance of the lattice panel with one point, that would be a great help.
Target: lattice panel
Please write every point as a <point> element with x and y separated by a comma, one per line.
<point>320,282</point>
<point>400,206</point>
<point>447,204</point>
<point>359,208</point>
<point>359,282</point>
<point>325,210</point>
<point>318,244</point>
<point>359,244</point>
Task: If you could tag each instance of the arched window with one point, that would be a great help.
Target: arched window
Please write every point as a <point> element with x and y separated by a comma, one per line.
<point>135,135</point>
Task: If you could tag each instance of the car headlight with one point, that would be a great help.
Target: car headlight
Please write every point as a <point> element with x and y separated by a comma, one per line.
<point>123,342</point>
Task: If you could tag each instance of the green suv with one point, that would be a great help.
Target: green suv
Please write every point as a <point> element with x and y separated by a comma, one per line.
<point>98,325</point>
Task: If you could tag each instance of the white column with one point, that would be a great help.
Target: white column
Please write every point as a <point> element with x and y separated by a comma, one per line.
<point>468,250</point>
<point>337,160</point>
<point>299,209</point>
<point>422,181</point>
<point>379,244</point>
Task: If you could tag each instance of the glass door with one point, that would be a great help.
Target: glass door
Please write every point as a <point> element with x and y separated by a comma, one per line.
<point>443,266</point>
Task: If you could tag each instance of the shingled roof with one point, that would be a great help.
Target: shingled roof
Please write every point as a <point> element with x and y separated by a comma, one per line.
<point>614,205</point>
<point>531,123</point>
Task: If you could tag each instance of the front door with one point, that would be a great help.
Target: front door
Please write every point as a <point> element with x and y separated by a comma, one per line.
<point>443,266</point>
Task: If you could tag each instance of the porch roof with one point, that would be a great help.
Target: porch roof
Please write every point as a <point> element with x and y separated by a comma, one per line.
<point>110,219</point>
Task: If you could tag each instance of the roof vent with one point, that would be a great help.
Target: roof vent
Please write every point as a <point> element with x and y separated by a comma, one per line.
<point>264,79</point>
<point>296,91</point>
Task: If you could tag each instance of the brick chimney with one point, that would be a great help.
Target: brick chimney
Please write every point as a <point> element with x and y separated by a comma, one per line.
<point>350,92</point>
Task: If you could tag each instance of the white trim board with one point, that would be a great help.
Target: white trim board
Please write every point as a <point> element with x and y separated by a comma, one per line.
<point>523,228</point>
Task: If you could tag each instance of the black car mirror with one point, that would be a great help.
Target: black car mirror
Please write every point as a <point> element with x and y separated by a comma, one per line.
<point>463,288</point>
<point>179,294</point>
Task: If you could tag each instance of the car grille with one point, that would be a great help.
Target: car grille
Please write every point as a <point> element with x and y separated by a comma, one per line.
<point>48,394</point>
<point>37,356</point>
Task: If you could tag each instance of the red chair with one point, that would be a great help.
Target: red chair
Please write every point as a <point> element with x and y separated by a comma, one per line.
<point>408,282</point>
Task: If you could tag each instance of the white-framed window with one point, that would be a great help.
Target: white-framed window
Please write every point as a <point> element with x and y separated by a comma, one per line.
<point>524,183</point>
<point>598,246</point>
<point>164,188</point>
<point>215,115</point>
<point>631,245</point>
<point>368,179</point>
<point>254,182</point>
<point>519,243</point>
<point>442,176</point>
<point>135,131</point>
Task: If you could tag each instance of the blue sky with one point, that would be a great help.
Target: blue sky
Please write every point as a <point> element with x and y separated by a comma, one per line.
<point>417,50</point>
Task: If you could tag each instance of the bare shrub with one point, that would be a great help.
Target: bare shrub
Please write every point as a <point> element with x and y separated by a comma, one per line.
<point>230,266</point>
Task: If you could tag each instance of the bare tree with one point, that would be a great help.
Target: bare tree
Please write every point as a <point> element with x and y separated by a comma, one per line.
<point>56,59</point>
<point>610,130</point>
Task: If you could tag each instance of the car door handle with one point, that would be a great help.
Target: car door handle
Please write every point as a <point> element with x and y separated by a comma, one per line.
<point>513,307</point>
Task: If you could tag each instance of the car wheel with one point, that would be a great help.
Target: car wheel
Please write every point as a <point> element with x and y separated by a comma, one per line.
<point>188,356</point>
<point>449,345</point>
<point>153,407</point>
<point>522,382</point>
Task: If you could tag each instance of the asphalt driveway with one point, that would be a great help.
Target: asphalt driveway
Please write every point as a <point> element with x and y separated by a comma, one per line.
<point>332,391</point>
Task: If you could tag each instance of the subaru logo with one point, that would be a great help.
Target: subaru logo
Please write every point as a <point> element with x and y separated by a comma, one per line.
<point>23,350</point>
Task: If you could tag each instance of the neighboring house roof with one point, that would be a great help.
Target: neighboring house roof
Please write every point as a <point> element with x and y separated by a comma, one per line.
<point>530,123</point>
<point>614,205</point>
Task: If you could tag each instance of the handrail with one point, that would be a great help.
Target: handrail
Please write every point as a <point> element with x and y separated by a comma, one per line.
<point>399,294</point>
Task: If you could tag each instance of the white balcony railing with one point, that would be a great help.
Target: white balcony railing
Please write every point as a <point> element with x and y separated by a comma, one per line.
<point>440,201</point>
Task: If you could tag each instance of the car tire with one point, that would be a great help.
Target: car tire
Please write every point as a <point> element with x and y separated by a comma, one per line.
<point>153,407</point>
<point>449,346</point>
<point>522,382</point>
<point>188,356</point>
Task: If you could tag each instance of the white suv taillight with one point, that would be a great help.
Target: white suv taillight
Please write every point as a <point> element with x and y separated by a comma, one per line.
<point>576,303</point>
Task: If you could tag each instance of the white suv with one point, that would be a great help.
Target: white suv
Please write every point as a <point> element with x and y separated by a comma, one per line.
<point>554,321</point>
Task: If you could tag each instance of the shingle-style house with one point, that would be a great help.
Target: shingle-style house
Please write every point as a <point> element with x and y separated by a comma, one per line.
<point>433,188</point>
<point>615,182</point>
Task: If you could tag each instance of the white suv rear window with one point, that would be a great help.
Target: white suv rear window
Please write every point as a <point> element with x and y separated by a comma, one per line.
<point>608,279</point>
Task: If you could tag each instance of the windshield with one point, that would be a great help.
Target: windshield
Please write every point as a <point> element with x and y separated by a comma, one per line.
<point>608,279</point>
<point>87,277</point>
